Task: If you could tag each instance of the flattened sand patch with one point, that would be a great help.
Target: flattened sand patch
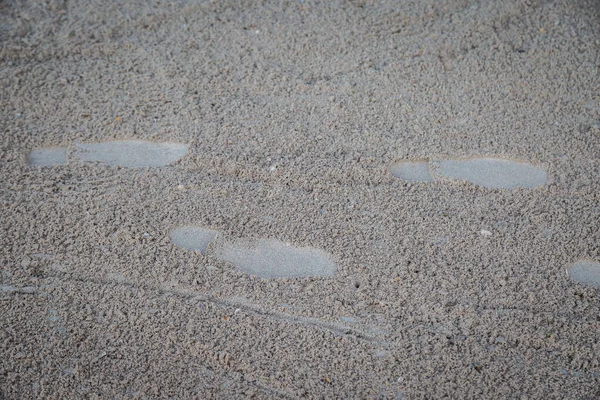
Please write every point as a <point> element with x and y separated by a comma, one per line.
<point>412,171</point>
<point>586,272</point>
<point>131,153</point>
<point>193,238</point>
<point>48,156</point>
<point>495,173</point>
<point>271,258</point>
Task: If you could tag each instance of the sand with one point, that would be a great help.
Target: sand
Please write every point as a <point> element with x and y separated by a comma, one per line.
<point>288,118</point>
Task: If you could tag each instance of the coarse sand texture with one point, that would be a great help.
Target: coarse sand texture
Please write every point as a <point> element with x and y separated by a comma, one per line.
<point>300,199</point>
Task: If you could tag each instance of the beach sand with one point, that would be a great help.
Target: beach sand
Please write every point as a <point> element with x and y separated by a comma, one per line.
<point>431,168</point>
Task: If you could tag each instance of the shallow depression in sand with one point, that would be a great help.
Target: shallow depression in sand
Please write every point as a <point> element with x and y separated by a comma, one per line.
<point>493,173</point>
<point>271,258</point>
<point>193,238</point>
<point>46,157</point>
<point>131,153</point>
<point>586,272</point>
<point>413,171</point>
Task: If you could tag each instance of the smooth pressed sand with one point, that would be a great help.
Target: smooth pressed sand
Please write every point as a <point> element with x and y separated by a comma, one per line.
<point>131,153</point>
<point>271,258</point>
<point>586,273</point>
<point>49,156</point>
<point>193,237</point>
<point>493,173</point>
<point>417,171</point>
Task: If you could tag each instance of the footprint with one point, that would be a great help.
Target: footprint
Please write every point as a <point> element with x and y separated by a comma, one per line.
<point>585,272</point>
<point>48,156</point>
<point>266,258</point>
<point>271,258</point>
<point>494,173</point>
<point>131,153</point>
<point>412,171</point>
<point>124,153</point>
<point>193,238</point>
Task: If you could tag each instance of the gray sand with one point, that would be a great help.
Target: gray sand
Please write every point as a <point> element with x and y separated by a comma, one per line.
<point>288,116</point>
<point>193,237</point>
<point>271,258</point>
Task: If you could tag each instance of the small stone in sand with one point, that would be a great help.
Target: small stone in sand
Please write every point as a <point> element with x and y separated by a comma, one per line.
<point>271,258</point>
<point>131,153</point>
<point>193,238</point>
<point>586,272</point>
<point>412,171</point>
<point>495,173</point>
<point>48,156</point>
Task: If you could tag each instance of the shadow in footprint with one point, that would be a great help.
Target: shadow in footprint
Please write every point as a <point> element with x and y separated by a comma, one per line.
<point>586,273</point>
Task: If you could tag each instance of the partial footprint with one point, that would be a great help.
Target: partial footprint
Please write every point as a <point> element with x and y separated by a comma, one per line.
<point>495,173</point>
<point>271,258</point>
<point>131,153</point>
<point>585,272</point>
<point>412,171</point>
<point>48,156</point>
<point>124,153</point>
<point>193,238</point>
